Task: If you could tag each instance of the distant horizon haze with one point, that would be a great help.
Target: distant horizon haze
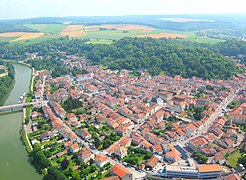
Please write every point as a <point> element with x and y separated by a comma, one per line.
<point>24,9</point>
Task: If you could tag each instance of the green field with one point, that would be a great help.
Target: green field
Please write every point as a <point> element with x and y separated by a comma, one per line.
<point>109,34</point>
<point>47,28</point>
<point>193,38</point>
<point>99,41</point>
<point>232,159</point>
<point>7,39</point>
<point>101,36</point>
<point>35,40</point>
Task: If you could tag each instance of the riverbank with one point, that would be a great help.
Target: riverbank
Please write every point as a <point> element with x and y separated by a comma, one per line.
<point>5,97</point>
<point>26,111</point>
<point>9,88</point>
<point>23,133</point>
<point>15,162</point>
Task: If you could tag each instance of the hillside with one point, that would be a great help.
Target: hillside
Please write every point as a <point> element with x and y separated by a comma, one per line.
<point>171,57</point>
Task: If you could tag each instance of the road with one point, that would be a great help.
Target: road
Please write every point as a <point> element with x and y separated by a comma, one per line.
<point>23,104</point>
<point>42,89</point>
<point>211,119</point>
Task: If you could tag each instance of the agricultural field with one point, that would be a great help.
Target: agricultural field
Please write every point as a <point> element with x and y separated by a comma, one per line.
<point>120,27</point>
<point>47,28</point>
<point>73,31</point>
<point>6,39</point>
<point>20,36</point>
<point>97,34</point>
<point>118,31</point>
<point>163,35</point>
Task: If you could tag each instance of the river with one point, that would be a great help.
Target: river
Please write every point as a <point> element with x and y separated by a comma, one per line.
<point>13,156</point>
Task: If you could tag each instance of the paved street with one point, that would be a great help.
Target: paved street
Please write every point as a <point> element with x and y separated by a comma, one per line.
<point>212,118</point>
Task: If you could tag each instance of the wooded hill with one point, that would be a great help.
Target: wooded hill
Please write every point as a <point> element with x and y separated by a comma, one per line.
<point>171,57</point>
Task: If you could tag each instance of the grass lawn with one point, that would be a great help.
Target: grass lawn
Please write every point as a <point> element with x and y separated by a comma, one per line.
<point>232,159</point>
<point>28,110</point>
<point>48,142</point>
<point>47,28</point>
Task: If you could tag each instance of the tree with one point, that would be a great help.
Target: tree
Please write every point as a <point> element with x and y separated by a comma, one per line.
<point>93,168</point>
<point>106,143</point>
<point>75,175</point>
<point>71,104</point>
<point>64,164</point>
<point>54,174</point>
<point>200,157</point>
<point>242,160</point>
<point>97,142</point>
<point>147,155</point>
<point>75,155</point>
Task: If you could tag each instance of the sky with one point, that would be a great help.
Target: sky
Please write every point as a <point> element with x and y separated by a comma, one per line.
<point>18,9</point>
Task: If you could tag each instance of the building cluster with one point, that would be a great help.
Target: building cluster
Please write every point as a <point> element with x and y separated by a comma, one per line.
<point>152,113</point>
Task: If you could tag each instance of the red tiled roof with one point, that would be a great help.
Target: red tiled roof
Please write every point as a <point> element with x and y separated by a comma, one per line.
<point>119,170</point>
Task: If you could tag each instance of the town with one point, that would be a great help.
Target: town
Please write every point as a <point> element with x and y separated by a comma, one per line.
<point>106,124</point>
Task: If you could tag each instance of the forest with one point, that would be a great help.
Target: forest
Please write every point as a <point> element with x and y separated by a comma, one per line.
<point>168,56</point>
<point>6,83</point>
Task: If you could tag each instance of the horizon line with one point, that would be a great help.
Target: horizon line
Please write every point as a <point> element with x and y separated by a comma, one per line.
<point>28,18</point>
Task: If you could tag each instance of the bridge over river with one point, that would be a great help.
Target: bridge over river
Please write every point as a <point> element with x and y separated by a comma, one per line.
<point>20,106</point>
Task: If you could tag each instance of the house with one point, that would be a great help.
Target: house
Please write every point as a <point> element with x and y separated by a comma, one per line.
<point>126,142</point>
<point>202,102</point>
<point>71,117</point>
<point>145,145</point>
<point>216,130</point>
<point>101,160</point>
<point>121,172</point>
<point>219,158</point>
<point>233,177</point>
<point>172,154</point>
<point>74,148</point>
<point>194,144</point>
<point>151,163</point>
<point>156,149</point>
<point>67,144</point>
<point>34,114</point>
<point>38,94</point>
<point>207,151</point>
<point>46,135</point>
<point>85,155</point>
<point>137,139</point>
<point>120,151</point>
<point>227,142</point>
<point>84,134</point>
<point>158,116</point>
<point>111,178</point>
<point>238,115</point>
<point>161,125</point>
